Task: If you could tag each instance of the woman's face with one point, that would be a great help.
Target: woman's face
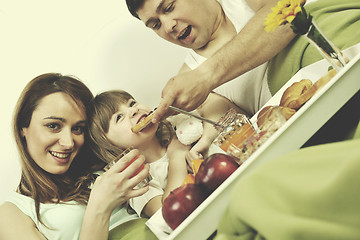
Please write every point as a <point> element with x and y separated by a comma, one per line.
<point>123,120</point>
<point>55,133</point>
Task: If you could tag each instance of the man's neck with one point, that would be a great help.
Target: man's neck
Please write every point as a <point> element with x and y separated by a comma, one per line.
<point>223,32</point>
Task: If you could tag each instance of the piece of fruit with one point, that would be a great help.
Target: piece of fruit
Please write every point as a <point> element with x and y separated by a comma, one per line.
<point>214,170</point>
<point>181,203</point>
<point>188,179</point>
<point>195,165</point>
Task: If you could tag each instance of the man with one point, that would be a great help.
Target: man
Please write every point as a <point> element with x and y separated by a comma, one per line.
<point>230,36</point>
<point>205,27</point>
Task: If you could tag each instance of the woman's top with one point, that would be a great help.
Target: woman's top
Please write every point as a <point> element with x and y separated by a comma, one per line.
<point>63,220</point>
<point>249,91</point>
<point>159,173</point>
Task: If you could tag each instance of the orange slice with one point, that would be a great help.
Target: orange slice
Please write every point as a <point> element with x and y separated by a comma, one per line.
<point>188,179</point>
<point>195,164</point>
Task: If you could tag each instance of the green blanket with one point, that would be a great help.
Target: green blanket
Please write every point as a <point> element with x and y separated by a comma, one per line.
<point>132,230</point>
<point>338,19</point>
<point>310,194</point>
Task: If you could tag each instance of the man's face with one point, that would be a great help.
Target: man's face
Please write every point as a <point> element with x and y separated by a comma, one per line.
<point>188,23</point>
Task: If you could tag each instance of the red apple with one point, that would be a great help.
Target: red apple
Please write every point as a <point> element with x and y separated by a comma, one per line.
<point>214,170</point>
<point>181,203</point>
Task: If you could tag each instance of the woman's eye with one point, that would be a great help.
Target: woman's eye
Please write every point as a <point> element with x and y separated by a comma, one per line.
<point>78,130</point>
<point>53,126</point>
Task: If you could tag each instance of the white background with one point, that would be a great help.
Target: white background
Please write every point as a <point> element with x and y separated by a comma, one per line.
<point>97,41</point>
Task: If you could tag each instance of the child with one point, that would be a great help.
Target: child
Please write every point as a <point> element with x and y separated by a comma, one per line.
<point>115,112</point>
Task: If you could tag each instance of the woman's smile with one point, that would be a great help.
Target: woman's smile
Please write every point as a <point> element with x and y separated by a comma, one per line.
<point>55,135</point>
<point>60,157</point>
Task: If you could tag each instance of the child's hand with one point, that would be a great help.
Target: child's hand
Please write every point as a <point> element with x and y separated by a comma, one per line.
<point>199,150</point>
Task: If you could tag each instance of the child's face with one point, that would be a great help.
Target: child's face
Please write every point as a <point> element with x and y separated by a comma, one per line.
<point>128,115</point>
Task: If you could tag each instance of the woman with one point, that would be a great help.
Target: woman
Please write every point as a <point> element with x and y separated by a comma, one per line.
<point>50,123</point>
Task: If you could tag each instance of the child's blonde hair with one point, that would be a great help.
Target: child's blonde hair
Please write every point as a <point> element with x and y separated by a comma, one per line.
<point>103,107</point>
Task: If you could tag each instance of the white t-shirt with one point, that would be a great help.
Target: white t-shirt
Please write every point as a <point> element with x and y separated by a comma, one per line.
<point>249,91</point>
<point>159,172</point>
<point>63,220</point>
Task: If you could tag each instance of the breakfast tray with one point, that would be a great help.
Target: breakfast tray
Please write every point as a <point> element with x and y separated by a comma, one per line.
<point>289,137</point>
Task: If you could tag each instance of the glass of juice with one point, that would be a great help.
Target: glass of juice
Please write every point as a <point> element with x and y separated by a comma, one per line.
<point>145,181</point>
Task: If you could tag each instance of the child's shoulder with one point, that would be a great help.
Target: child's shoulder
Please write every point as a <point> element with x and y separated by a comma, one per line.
<point>188,129</point>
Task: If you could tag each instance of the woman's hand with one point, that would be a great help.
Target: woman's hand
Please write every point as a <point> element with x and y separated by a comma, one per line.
<point>116,186</point>
<point>110,190</point>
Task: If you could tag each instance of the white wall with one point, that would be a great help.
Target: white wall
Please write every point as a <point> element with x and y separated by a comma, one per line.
<point>98,41</point>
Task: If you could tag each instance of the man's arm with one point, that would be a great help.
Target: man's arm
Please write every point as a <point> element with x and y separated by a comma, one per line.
<point>249,49</point>
<point>252,47</point>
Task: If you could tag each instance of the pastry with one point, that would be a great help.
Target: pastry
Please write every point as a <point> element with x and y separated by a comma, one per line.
<point>315,87</point>
<point>142,124</point>
<point>300,92</point>
<point>292,94</point>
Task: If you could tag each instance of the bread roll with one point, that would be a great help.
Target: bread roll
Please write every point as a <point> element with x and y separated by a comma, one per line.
<point>300,92</point>
<point>292,94</point>
<point>315,87</point>
<point>142,124</point>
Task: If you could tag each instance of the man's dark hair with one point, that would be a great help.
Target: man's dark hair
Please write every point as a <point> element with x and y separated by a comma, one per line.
<point>134,5</point>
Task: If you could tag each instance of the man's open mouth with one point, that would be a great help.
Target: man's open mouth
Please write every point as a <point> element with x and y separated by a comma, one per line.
<point>184,33</point>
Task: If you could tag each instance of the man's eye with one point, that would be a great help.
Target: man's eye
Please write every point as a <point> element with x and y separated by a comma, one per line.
<point>78,130</point>
<point>169,7</point>
<point>156,25</point>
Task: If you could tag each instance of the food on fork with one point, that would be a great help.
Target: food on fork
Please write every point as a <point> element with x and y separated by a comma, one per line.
<point>144,122</point>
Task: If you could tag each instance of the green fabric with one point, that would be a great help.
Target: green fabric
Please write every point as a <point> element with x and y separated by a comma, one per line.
<point>344,125</point>
<point>357,132</point>
<point>134,229</point>
<point>312,193</point>
<point>338,19</point>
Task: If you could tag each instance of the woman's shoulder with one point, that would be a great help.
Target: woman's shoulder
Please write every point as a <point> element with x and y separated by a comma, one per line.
<point>14,223</point>
<point>8,209</point>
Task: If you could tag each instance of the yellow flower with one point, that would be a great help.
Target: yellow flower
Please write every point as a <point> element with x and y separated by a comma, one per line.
<point>284,12</point>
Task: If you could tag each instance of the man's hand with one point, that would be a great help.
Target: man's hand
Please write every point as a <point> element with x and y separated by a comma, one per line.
<point>187,91</point>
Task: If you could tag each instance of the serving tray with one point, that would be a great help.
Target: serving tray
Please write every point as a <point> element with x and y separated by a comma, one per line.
<point>289,137</point>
